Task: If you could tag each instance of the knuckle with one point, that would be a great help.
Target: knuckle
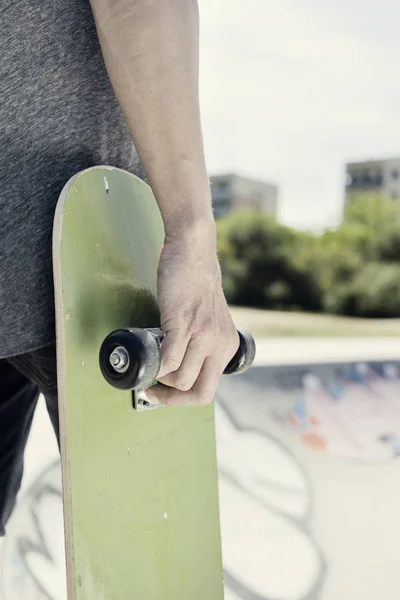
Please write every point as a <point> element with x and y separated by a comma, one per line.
<point>231,341</point>
<point>208,326</point>
<point>183,384</point>
<point>187,320</point>
<point>200,337</point>
<point>225,340</point>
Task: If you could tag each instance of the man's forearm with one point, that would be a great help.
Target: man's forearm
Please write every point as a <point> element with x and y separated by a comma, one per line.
<point>151,52</point>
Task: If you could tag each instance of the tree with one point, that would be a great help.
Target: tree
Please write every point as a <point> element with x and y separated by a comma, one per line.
<point>260,262</point>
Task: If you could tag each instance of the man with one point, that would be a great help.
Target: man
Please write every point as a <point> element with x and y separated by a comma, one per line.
<point>60,113</point>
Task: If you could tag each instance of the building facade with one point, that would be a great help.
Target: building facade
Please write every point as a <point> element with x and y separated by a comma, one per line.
<point>381,176</point>
<point>231,192</point>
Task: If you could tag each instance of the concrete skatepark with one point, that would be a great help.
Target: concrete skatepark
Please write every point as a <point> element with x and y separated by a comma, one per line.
<point>309,480</point>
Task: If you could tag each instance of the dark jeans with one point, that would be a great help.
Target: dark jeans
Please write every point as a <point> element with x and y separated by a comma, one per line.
<point>22,379</point>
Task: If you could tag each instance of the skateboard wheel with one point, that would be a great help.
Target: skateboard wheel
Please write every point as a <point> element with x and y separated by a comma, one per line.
<point>130,358</point>
<point>244,356</point>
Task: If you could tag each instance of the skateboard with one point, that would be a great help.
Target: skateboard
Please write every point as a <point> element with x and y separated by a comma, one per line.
<point>140,489</point>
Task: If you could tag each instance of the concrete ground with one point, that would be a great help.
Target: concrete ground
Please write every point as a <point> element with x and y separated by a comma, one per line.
<point>285,350</point>
<point>309,498</point>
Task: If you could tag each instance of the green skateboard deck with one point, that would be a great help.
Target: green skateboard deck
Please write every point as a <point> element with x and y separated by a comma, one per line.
<point>139,487</point>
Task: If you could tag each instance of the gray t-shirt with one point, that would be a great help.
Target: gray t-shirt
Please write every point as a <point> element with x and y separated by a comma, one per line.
<point>58,115</point>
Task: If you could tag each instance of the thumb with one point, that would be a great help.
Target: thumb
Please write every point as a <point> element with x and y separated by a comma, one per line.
<point>172,352</point>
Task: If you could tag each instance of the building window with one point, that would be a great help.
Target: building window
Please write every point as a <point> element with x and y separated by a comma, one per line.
<point>376,179</point>
<point>221,208</point>
<point>365,180</point>
<point>395,174</point>
<point>354,180</point>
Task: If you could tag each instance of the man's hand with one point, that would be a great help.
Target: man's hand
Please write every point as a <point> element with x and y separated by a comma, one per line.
<point>200,337</point>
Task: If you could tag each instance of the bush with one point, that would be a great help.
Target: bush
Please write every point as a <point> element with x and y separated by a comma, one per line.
<point>261,266</point>
<point>374,292</point>
<point>351,270</point>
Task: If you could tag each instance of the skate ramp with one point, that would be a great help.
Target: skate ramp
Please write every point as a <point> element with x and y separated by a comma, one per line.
<point>310,481</point>
<point>309,488</point>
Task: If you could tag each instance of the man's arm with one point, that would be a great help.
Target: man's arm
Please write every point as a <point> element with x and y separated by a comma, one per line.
<point>150,48</point>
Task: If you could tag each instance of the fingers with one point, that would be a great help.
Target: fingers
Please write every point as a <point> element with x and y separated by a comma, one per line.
<point>192,363</point>
<point>184,376</point>
<point>172,351</point>
<point>202,392</point>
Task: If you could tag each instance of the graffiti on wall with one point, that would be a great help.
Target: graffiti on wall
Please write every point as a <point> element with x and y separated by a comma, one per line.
<point>266,504</point>
<point>33,558</point>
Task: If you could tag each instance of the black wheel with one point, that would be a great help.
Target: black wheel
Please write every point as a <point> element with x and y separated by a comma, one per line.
<point>130,358</point>
<point>244,356</point>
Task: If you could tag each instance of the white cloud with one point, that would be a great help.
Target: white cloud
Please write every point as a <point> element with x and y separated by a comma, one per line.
<point>292,90</point>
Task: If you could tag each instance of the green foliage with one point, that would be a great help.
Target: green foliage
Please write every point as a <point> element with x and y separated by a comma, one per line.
<point>373,292</point>
<point>263,265</point>
<point>378,220</point>
<point>353,269</point>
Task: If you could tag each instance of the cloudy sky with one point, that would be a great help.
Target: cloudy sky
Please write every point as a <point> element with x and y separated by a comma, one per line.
<point>292,89</point>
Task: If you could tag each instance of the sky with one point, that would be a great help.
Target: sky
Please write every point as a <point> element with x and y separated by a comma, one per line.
<point>292,89</point>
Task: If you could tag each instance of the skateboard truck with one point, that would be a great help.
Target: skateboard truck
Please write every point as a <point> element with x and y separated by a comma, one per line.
<point>130,360</point>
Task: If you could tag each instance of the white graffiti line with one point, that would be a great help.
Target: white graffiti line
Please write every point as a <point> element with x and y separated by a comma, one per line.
<point>33,555</point>
<point>269,554</point>
<point>261,466</point>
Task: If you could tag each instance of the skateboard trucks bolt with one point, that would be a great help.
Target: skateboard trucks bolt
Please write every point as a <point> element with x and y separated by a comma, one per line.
<point>119,359</point>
